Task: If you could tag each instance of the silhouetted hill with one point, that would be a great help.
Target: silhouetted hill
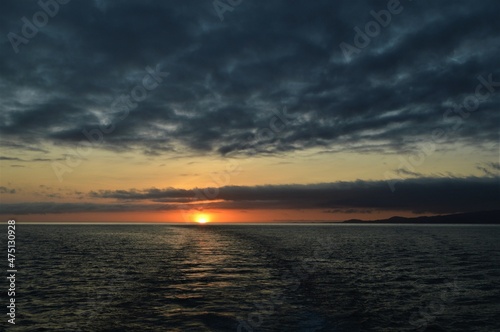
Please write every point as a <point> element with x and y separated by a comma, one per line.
<point>482,217</point>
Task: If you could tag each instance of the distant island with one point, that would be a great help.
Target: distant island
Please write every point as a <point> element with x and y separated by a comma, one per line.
<point>482,217</point>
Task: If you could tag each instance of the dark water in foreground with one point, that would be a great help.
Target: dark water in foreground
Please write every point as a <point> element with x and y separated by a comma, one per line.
<point>257,278</point>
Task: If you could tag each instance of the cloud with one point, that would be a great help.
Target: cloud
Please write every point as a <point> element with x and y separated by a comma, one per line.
<point>10,158</point>
<point>423,195</point>
<point>28,160</point>
<point>5,190</point>
<point>490,168</point>
<point>227,78</point>
<point>404,171</point>
<point>357,211</point>
<point>152,193</point>
<point>57,208</point>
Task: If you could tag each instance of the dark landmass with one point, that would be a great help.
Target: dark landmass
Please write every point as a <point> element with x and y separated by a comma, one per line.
<point>482,217</point>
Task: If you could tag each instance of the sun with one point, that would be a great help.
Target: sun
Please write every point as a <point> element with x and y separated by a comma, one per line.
<point>202,218</point>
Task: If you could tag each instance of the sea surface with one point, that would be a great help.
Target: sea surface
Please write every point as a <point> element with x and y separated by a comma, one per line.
<point>257,278</point>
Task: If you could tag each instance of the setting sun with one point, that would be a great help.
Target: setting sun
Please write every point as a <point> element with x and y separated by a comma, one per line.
<point>202,218</point>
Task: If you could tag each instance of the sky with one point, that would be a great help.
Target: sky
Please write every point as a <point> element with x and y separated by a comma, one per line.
<point>238,110</point>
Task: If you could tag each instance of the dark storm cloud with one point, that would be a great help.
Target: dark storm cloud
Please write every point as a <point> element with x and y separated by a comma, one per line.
<point>152,193</point>
<point>433,195</point>
<point>226,78</point>
<point>56,208</point>
<point>425,195</point>
<point>10,158</point>
<point>28,160</point>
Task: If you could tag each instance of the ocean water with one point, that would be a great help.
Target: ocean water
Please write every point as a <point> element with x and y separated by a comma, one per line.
<point>257,278</point>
